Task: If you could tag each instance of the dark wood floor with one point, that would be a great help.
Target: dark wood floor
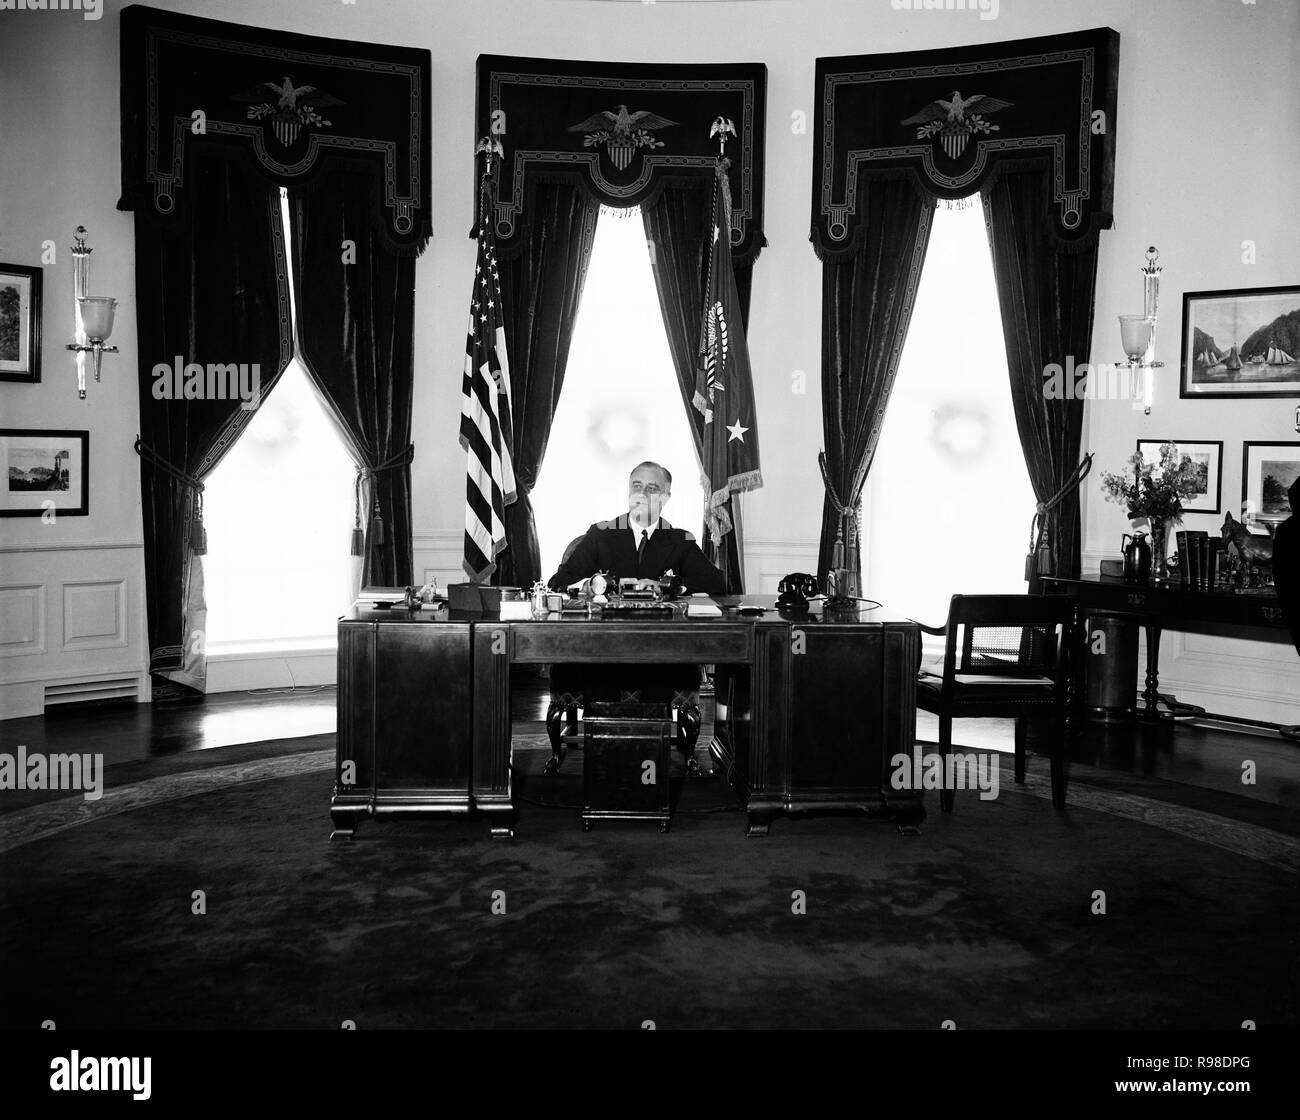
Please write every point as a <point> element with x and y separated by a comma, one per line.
<point>1208,757</point>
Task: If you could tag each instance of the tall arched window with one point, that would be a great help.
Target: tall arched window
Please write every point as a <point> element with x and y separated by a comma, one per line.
<point>947,505</point>
<point>279,512</point>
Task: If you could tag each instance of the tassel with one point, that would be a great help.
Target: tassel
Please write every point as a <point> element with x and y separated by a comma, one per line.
<point>198,534</point>
<point>837,552</point>
<point>358,537</point>
<point>376,527</point>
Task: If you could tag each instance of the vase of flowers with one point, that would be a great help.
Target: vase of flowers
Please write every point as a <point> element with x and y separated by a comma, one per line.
<point>1155,492</point>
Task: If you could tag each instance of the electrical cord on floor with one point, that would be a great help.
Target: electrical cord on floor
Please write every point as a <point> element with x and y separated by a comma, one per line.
<point>293,689</point>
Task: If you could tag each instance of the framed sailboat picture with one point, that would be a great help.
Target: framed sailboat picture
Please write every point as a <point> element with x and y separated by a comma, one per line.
<point>1241,343</point>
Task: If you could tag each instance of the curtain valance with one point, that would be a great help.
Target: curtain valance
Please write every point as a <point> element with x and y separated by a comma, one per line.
<point>290,105</point>
<point>949,120</point>
<point>621,131</point>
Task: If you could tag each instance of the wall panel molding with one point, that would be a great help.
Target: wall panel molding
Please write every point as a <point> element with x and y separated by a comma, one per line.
<point>94,614</point>
<point>22,619</point>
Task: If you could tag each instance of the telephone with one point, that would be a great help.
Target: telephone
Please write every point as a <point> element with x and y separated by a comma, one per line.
<point>795,590</point>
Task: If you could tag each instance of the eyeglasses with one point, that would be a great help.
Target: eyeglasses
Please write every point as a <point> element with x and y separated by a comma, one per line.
<point>650,488</point>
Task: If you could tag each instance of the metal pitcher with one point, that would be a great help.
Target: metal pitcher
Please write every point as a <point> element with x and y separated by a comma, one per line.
<point>1137,557</point>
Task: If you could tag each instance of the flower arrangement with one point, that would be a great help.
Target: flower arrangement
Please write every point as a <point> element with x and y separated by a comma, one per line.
<point>1155,491</point>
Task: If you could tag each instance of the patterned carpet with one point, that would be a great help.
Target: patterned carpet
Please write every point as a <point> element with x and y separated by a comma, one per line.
<point>991,918</point>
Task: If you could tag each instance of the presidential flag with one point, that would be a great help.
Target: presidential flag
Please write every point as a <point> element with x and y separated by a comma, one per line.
<point>485,425</point>
<point>724,390</point>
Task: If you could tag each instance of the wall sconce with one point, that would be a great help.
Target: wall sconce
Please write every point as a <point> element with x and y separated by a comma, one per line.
<point>93,314</point>
<point>1138,335</point>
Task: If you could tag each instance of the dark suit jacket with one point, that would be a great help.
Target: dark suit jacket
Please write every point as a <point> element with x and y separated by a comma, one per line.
<point>610,547</point>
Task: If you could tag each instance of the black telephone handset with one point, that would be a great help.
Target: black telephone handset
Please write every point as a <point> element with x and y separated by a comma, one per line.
<point>795,590</point>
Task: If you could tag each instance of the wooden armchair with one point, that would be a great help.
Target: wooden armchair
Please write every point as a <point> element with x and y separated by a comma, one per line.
<point>1003,658</point>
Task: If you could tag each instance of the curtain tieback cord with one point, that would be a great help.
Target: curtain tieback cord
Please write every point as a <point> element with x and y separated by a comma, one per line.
<point>367,474</point>
<point>198,537</point>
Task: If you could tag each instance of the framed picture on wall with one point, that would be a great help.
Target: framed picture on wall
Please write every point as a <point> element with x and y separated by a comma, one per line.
<point>20,323</point>
<point>1267,473</point>
<point>44,472</point>
<point>1207,455</point>
<point>1241,343</point>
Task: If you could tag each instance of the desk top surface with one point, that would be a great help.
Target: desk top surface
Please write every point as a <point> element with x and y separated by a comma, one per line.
<point>730,605</point>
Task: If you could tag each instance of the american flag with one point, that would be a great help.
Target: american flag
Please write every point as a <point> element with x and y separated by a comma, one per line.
<point>485,426</point>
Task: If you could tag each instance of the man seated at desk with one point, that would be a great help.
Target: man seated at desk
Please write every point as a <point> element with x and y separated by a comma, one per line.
<point>637,544</point>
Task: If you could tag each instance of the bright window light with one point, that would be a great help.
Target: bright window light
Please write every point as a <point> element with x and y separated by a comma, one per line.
<point>620,403</point>
<point>279,513</point>
<point>948,505</point>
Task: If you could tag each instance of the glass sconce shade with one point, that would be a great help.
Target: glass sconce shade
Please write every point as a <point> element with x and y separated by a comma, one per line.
<point>97,316</point>
<point>1135,336</point>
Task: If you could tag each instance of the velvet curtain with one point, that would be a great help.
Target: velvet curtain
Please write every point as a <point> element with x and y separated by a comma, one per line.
<point>211,288</point>
<point>867,300</point>
<point>677,229</point>
<point>1045,295</point>
<point>356,316</point>
<point>541,287</point>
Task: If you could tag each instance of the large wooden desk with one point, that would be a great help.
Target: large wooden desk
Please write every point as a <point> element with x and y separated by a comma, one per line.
<point>424,705</point>
<point>1169,606</point>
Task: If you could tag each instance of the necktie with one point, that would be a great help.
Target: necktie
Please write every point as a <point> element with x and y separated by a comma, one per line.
<point>640,548</point>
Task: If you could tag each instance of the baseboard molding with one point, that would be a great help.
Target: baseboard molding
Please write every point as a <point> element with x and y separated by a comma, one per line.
<point>267,669</point>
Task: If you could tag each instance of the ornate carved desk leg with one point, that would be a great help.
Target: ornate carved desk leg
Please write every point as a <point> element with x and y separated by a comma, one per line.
<point>1151,696</point>
<point>554,721</point>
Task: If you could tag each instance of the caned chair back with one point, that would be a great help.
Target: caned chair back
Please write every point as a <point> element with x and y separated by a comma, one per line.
<point>1007,635</point>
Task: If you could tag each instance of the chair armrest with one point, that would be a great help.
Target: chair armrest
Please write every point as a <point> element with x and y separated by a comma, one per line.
<point>939,630</point>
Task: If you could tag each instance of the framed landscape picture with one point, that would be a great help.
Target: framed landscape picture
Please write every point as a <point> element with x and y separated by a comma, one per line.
<point>20,323</point>
<point>43,467</point>
<point>1267,473</point>
<point>1241,343</point>
<point>1207,455</point>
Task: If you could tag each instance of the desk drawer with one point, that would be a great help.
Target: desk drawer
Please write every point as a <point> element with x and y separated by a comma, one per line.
<point>626,643</point>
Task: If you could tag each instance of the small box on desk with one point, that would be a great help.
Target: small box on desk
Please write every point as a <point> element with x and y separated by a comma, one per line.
<point>479,597</point>
<point>625,762</point>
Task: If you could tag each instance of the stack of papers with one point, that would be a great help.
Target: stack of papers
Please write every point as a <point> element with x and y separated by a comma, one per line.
<point>703,610</point>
